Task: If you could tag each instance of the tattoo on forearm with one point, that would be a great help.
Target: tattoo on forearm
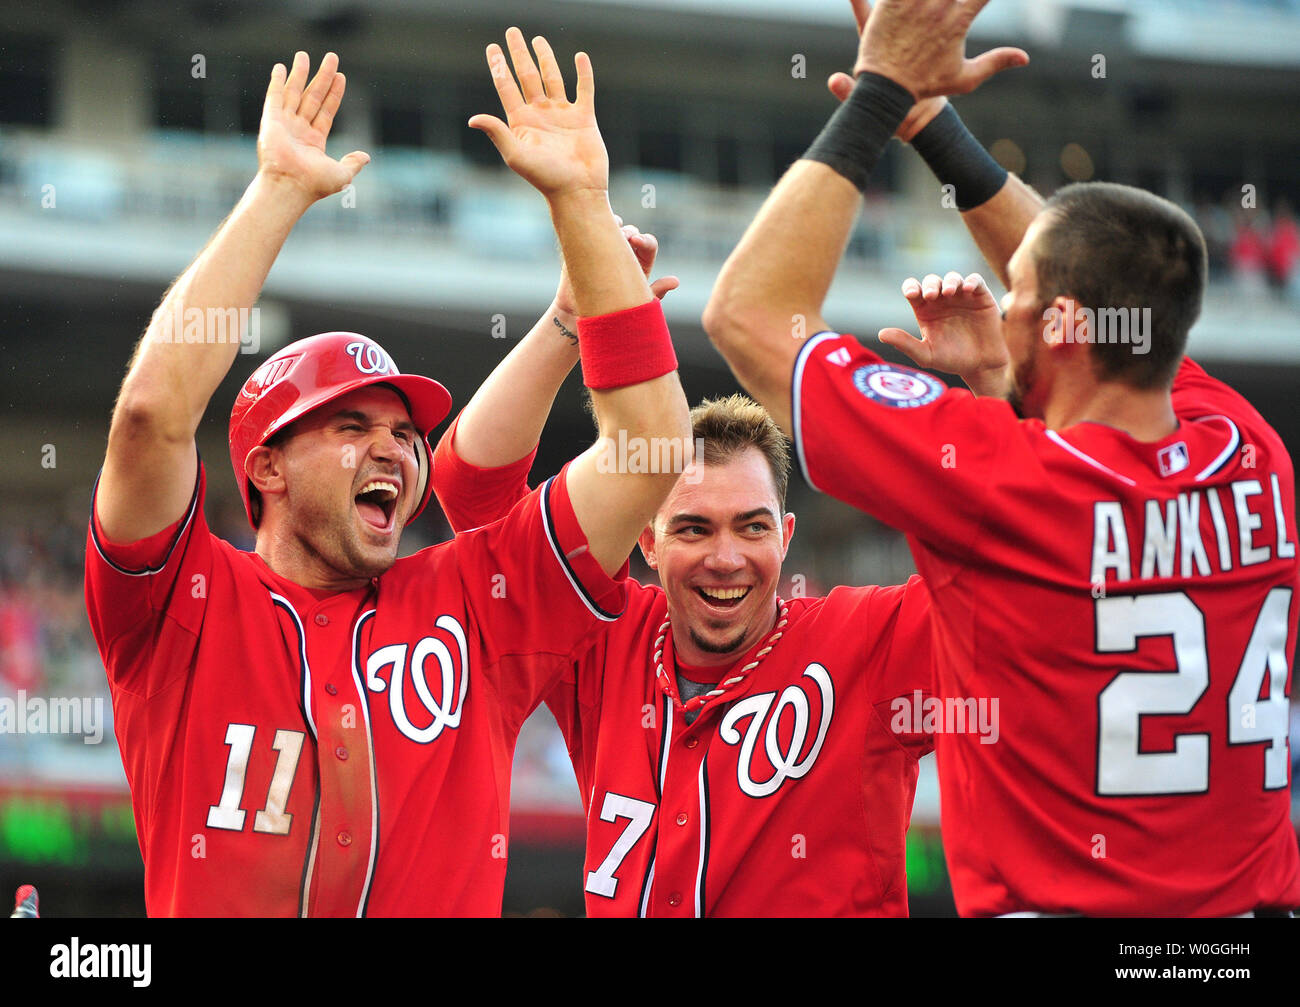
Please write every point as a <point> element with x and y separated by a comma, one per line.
<point>565,331</point>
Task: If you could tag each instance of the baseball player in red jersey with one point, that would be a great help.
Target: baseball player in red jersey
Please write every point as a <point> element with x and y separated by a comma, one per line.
<point>736,753</point>
<point>1116,564</point>
<point>317,727</point>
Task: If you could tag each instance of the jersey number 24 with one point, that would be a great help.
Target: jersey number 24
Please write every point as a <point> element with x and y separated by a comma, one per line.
<point>1123,769</point>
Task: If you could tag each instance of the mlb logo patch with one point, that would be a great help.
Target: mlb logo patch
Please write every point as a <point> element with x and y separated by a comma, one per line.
<point>897,387</point>
<point>1173,459</point>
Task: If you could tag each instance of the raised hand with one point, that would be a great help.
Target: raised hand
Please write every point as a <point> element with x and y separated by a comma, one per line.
<point>961,330</point>
<point>296,122</point>
<point>921,44</point>
<point>549,141</point>
<point>841,84</point>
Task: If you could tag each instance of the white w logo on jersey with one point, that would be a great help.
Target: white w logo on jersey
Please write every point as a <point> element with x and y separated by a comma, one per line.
<point>445,710</point>
<point>785,764</point>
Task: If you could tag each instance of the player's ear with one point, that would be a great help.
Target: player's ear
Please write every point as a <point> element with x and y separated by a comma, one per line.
<point>265,470</point>
<point>787,533</point>
<point>1064,323</point>
<point>646,540</point>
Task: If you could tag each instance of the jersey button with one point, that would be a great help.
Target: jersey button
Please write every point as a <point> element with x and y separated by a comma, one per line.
<point>682,819</point>
<point>329,687</point>
<point>675,900</point>
<point>322,619</point>
<point>341,752</point>
<point>691,742</point>
<point>345,838</point>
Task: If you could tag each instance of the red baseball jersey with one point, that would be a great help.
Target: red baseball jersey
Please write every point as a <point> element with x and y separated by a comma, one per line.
<point>788,794</point>
<point>300,752</point>
<point>1130,606</point>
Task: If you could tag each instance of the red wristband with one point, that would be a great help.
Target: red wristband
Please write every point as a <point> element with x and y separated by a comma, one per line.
<point>625,347</point>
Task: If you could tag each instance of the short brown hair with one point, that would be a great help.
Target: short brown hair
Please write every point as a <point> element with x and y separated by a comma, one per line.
<point>1114,247</point>
<point>727,426</point>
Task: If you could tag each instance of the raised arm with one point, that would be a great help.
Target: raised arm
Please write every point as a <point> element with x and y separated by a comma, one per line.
<point>503,422</point>
<point>555,145</point>
<point>481,463</point>
<point>150,466</point>
<point>772,288</point>
<point>996,206</point>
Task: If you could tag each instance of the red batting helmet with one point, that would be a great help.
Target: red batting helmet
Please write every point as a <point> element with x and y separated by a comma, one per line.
<point>317,370</point>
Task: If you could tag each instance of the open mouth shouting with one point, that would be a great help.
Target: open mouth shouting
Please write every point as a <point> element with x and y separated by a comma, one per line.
<point>377,502</point>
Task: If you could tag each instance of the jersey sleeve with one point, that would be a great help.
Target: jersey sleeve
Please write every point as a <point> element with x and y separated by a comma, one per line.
<point>471,496</point>
<point>896,442</point>
<point>888,631</point>
<point>906,663</point>
<point>148,598</point>
<point>540,597</point>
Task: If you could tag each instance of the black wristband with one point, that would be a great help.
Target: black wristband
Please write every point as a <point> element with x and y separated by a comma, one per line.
<point>959,160</point>
<point>856,135</point>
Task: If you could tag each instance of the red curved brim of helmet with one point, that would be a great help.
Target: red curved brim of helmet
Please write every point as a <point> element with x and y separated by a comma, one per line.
<point>427,400</point>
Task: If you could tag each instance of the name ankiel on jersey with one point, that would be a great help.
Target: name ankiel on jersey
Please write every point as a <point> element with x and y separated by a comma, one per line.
<point>1173,542</point>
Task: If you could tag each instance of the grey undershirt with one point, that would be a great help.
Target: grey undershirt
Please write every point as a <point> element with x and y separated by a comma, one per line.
<point>688,690</point>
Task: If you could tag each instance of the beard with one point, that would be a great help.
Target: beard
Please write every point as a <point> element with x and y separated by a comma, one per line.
<point>1023,381</point>
<point>333,538</point>
<point>709,647</point>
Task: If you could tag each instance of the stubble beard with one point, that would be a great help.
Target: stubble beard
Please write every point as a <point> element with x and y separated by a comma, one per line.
<point>1023,380</point>
<point>733,646</point>
<point>337,543</point>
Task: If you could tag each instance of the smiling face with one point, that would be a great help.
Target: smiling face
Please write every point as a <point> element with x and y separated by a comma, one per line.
<point>718,544</point>
<point>338,489</point>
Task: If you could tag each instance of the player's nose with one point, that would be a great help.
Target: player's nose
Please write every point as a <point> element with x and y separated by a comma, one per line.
<point>384,444</point>
<point>724,554</point>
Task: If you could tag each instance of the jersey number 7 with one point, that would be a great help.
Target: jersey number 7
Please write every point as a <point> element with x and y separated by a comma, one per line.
<point>602,881</point>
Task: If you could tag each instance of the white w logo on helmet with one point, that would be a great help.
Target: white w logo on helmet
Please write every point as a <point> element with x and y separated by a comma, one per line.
<point>370,359</point>
<point>785,764</point>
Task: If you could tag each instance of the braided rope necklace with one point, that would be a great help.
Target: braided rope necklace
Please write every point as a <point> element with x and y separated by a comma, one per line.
<point>662,643</point>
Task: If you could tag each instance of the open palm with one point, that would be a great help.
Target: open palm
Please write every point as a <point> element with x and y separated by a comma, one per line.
<point>296,122</point>
<point>921,44</point>
<point>961,326</point>
<point>549,141</point>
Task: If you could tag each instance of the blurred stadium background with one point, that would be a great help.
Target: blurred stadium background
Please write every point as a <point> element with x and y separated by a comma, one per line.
<point>127,133</point>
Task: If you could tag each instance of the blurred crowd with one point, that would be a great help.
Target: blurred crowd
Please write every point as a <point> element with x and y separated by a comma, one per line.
<point>45,642</point>
<point>1257,250</point>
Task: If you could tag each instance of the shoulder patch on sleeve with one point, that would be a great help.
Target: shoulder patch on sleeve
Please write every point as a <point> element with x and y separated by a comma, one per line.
<point>897,387</point>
